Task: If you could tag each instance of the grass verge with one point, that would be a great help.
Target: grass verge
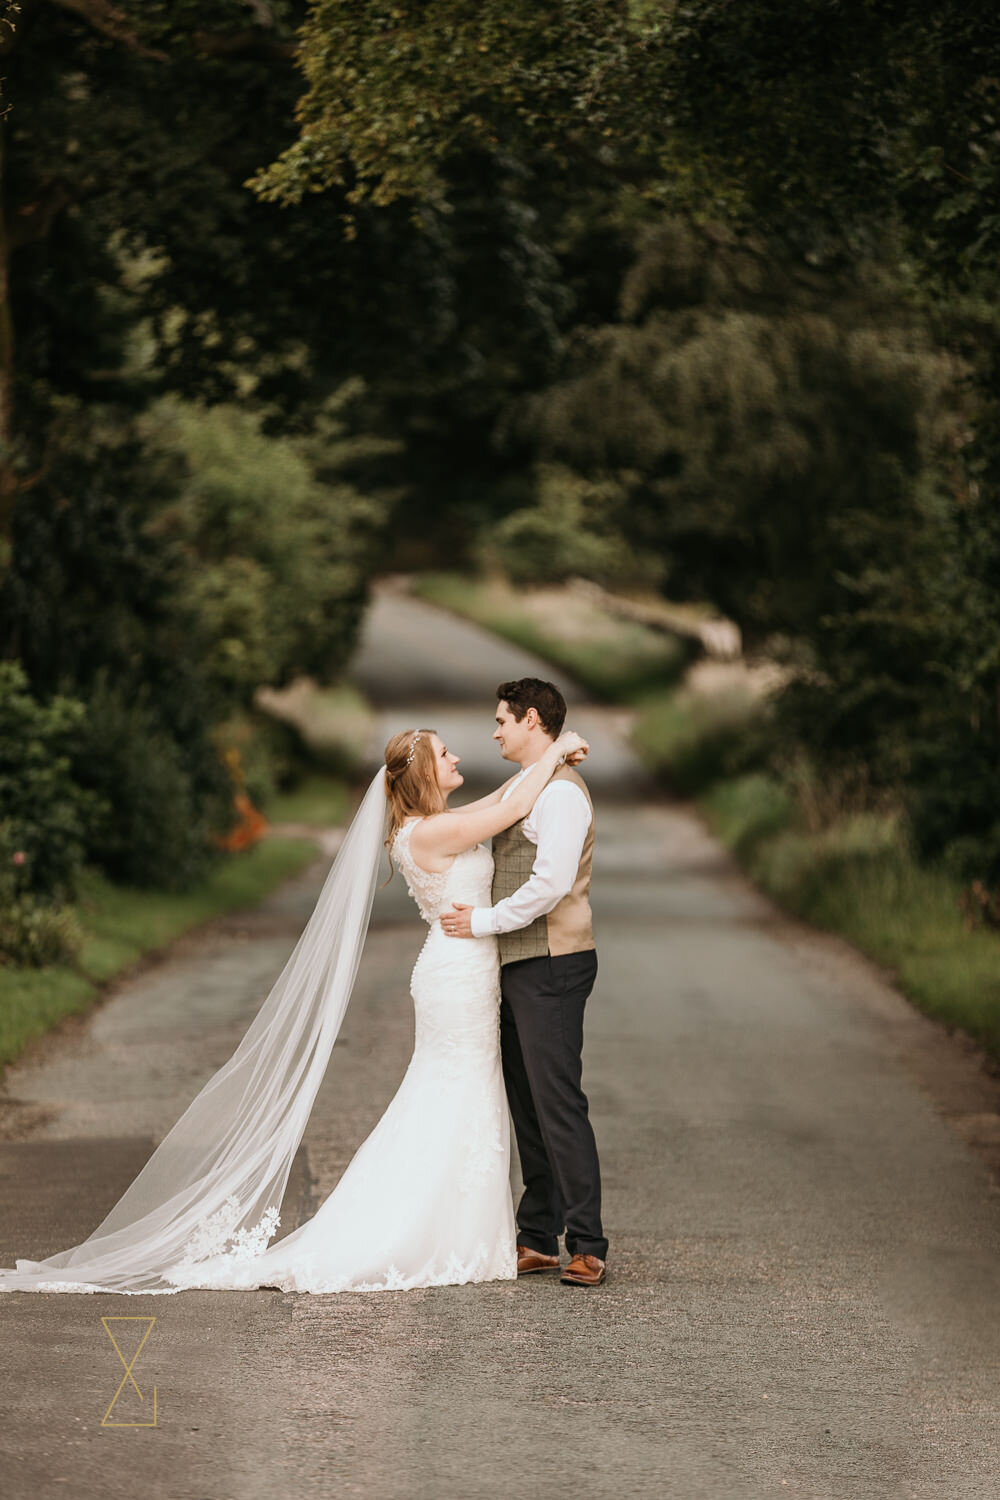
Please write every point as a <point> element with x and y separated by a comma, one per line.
<point>612,658</point>
<point>858,878</point>
<point>122,925</point>
<point>317,799</point>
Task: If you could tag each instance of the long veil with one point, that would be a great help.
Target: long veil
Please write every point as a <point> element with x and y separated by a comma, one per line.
<point>228,1157</point>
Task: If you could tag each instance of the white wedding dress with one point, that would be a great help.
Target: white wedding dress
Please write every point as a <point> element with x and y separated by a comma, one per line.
<point>426,1199</point>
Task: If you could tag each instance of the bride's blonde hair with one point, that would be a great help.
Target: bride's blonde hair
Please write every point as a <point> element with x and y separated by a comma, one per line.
<point>411,784</point>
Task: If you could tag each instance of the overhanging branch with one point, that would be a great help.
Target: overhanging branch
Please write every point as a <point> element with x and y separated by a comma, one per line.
<point>107,19</point>
<point>250,41</point>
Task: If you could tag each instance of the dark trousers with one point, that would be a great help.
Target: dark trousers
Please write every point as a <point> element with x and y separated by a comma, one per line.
<point>541,1042</point>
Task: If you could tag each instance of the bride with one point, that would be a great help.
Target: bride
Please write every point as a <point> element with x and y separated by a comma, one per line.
<point>426,1200</point>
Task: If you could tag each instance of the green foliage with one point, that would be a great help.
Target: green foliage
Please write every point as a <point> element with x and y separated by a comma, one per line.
<point>319,800</point>
<point>332,726</point>
<point>748,425</point>
<point>661,295</point>
<point>44,813</point>
<point>566,534</point>
<point>35,934</point>
<point>117,642</point>
<point>270,754</point>
<point>795,448</point>
<point>123,923</point>
<point>692,740</point>
<point>192,558</point>
<point>888,129</point>
<point>749,809</point>
<point>614,659</point>
<point>160,810</point>
<point>275,562</point>
<point>120,925</point>
<point>395,90</point>
<point>858,876</point>
<point>835,125</point>
<point>170,276</point>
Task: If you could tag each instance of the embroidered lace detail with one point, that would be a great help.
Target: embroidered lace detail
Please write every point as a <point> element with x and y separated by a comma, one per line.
<point>496,1262</point>
<point>427,887</point>
<point>213,1236</point>
<point>485,1154</point>
<point>456,1053</point>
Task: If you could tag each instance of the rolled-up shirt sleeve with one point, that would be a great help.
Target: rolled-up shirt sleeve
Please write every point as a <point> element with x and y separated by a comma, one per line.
<point>561,817</point>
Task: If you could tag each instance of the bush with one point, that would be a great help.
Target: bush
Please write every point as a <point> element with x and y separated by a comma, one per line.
<point>44,812</point>
<point>694,739</point>
<point>271,755</point>
<point>275,561</point>
<point>952,798</point>
<point>565,535</point>
<point>749,810</point>
<point>159,571</point>
<point>34,933</point>
<point>162,801</point>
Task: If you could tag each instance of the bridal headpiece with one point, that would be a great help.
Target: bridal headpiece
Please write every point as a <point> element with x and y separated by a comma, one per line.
<point>413,747</point>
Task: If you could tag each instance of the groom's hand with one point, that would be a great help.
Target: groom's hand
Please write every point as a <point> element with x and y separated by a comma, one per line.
<point>458,923</point>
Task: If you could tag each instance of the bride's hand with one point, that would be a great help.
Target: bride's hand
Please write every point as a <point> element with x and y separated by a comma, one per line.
<point>572,747</point>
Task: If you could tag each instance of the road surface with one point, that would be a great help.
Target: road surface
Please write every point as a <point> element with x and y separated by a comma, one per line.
<point>803,1281</point>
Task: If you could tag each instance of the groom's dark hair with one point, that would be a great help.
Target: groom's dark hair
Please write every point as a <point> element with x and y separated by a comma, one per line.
<point>544,697</point>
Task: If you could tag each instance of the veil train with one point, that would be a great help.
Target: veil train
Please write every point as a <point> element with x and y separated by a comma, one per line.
<point>219,1174</point>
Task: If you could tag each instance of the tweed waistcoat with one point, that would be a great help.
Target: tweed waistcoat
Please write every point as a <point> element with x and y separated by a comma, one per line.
<point>568,927</point>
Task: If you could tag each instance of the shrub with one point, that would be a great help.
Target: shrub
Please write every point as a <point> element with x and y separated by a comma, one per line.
<point>162,800</point>
<point>749,810</point>
<point>271,754</point>
<point>34,933</point>
<point>566,534</point>
<point>44,812</point>
<point>694,739</point>
<point>275,560</point>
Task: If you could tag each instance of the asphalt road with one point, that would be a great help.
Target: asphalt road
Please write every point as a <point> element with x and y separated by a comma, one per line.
<point>804,1278</point>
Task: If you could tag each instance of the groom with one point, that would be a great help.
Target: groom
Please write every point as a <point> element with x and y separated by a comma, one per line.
<point>541,915</point>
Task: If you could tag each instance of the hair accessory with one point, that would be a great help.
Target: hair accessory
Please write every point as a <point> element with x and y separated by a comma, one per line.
<point>413,747</point>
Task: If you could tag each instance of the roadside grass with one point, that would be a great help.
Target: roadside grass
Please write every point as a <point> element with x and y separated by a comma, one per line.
<point>123,925</point>
<point>333,724</point>
<point>692,739</point>
<point>317,799</point>
<point>612,658</point>
<point>854,874</point>
<point>858,878</point>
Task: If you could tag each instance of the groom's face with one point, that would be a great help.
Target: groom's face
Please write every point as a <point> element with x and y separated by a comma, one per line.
<point>511,735</point>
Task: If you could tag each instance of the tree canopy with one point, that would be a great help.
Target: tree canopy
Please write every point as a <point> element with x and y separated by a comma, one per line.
<point>698,295</point>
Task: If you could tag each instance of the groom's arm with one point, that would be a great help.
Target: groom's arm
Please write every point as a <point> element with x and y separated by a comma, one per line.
<point>491,797</point>
<point>561,816</point>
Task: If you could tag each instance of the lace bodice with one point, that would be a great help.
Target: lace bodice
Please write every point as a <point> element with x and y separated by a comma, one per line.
<point>468,878</point>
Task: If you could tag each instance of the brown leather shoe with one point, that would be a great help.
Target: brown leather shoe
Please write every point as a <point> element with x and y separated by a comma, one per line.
<point>584,1270</point>
<point>533,1260</point>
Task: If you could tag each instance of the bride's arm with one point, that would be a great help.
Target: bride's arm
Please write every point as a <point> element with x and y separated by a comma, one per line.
<point>572,758</point>
<point>449,833</point>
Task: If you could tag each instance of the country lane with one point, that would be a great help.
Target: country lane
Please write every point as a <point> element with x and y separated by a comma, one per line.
<point>803,1279</point>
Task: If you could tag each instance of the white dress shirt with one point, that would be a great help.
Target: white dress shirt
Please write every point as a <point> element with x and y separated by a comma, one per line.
<point>558,825</point>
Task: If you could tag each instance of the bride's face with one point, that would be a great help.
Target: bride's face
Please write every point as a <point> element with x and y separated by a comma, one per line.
<point>448,775</point>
